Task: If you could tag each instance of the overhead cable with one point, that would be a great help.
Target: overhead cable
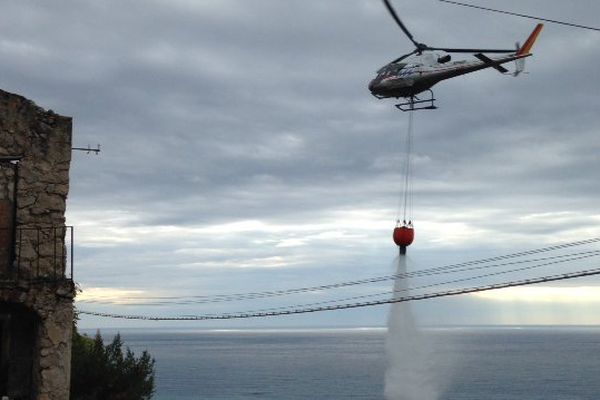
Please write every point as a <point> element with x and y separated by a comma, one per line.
<point>377,279</point>
<point>561,258</point>
<point>427,286</point>
<point>453,292</point>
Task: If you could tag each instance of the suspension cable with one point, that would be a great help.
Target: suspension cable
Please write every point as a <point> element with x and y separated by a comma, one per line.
<point>407,198</point>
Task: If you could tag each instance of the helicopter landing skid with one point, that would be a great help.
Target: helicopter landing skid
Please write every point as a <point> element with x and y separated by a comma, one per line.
<point>413,103</point>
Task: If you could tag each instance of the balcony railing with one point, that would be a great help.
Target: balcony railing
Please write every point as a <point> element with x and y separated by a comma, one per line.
<point>36,253</point>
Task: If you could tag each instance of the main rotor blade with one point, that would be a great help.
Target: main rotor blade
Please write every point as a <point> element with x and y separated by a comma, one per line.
<point>522,15</point>
<point>399,22</point>
<point>452,50</point>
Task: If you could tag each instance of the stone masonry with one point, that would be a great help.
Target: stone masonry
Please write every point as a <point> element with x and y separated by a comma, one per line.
<point>36,292</point>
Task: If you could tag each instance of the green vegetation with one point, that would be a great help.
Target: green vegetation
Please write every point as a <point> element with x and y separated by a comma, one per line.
<point>100,372</point>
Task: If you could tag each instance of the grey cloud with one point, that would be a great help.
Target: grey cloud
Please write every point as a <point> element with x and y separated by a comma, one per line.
<point>216,112</point>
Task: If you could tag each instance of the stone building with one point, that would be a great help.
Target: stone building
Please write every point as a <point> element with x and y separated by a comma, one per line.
<point>36,286</point>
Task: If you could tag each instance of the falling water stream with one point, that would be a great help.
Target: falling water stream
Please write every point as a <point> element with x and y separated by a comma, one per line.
<point>409,374</point>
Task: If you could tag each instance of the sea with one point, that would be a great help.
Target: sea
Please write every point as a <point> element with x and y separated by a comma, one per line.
<point>467,363</point>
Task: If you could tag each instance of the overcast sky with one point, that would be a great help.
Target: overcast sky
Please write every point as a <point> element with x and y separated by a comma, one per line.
<point>242,151</point>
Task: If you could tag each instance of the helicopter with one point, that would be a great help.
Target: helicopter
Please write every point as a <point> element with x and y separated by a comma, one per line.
<point>416,72</point>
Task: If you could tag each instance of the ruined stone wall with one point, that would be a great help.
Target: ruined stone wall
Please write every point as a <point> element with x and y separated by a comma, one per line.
<point>31,281</point>
<point>6,224</point>
<point>44,140</point>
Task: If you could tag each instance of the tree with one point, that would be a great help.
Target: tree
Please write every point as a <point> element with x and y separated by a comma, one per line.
<point>101,371</point>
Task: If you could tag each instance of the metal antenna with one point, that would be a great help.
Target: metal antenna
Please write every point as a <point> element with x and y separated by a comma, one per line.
<point>88,149</point>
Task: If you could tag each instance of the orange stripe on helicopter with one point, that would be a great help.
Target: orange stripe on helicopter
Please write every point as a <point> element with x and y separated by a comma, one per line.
<point>530,40</point>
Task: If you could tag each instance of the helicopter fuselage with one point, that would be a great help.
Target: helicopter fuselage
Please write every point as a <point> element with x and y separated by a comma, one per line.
<point>410,75</point>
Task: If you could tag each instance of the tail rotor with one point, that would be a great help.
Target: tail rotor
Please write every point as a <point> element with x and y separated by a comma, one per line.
<point>520,62</point>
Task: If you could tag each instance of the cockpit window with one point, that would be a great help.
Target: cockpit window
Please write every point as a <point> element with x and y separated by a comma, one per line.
<point>392,68</point>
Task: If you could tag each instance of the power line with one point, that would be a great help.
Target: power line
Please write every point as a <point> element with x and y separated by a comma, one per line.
<point>454,292</point>
<point>521,15</point>
<point>427,286</point>
<point>427,272</point>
